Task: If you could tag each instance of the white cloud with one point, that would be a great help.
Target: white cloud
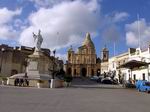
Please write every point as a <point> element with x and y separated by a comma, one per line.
<point>120,16</point>
<point>132,35</point>
<point>63,24</point>
<point>7,32</point>
<point>116,17</point>
<point>47,3</point>
<point>62,56</point>
<point>111,34</point>
<point>51,3</point>
<point>6,17</point>
<point>131,39</point>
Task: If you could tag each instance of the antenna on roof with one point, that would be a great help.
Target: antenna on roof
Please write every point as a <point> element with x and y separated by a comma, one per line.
<point>139,35</point>
<point>114,48</point>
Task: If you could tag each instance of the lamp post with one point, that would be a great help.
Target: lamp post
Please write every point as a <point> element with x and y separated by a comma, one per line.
<point>52,84</point>
<point>2,51</point>
<point>53,65</point>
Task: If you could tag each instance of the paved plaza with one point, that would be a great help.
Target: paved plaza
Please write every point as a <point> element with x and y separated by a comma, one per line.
<point>19,99</point>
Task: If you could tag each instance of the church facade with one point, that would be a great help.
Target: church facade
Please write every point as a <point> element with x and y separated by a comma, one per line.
<point>84,62</point>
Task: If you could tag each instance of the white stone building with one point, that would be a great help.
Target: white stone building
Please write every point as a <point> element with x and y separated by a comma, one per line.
<point>114,65</point>
<point>133,64</point>
<point>143,56</point>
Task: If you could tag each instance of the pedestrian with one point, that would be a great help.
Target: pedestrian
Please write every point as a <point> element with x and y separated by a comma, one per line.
<point>26,79</point>
<point>21,82</point>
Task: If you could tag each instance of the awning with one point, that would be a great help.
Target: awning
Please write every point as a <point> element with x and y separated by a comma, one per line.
<point>133,63</point>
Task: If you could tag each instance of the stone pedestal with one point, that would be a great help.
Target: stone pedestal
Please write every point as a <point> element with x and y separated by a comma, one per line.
<point>37,69</point>
<point>56,83</point>
<point>52,83</point>
<point>38,66</point>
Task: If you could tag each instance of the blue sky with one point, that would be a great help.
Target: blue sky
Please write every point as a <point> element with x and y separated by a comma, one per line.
<point>65,22</point>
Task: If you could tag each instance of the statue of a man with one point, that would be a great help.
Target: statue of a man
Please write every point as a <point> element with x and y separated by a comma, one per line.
<point>38,41</point>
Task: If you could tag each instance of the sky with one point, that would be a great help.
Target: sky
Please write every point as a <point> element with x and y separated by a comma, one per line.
<point>64,23</point>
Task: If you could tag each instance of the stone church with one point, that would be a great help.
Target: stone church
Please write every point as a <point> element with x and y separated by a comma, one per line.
<point>84,63</point>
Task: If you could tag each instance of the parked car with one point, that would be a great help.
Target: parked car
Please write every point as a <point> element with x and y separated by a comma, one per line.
<point>115,81</point>
<point>144,86</point>
<point>94,78</point>
<point>129,85</point>
<point>137,84</point>
<point>99,80</point>
<point>107,80</point>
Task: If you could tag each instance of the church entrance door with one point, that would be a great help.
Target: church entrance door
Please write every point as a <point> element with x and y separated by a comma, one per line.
<point>69,71</point>
<point>83,72</point>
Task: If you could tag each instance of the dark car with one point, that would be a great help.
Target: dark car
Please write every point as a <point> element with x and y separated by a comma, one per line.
<point>99,80</point>
<point>107,80</point>
<point>115,81</point>
<point>94,78</point>
<point>129,84</point>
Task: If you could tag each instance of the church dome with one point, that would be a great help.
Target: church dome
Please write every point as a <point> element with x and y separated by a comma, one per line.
<point>88,42</point>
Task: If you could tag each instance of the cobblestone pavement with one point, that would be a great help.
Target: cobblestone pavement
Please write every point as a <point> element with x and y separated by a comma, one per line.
<point>19,99</point>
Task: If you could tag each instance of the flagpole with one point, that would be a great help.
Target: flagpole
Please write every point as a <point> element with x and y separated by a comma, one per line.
<point>139,35</point>
<point>114,48</point>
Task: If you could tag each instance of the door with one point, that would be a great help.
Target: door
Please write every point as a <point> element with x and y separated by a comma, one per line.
<point>83,72</point>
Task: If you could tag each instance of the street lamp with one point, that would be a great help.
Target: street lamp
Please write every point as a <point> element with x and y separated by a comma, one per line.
<point>53,72</point>
<point>2,51</point>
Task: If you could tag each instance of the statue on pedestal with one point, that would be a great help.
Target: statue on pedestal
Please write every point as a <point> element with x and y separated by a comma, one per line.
<point>38,41</point>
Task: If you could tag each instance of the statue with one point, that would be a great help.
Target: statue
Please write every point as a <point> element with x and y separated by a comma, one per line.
<point>38,41</point>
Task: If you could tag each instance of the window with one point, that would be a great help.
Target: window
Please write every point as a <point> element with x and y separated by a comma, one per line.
<point>143,76</point>
<point>119,63</point>
<point>134,76</point>
<point>74,71</point>
<point>124,61</point>
<point>92,72</point>
<point>105,55</point>
<point>69,56</point>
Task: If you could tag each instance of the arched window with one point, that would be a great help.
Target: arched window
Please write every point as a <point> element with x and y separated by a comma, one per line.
<point>75,72</point>
<point>92,72</point>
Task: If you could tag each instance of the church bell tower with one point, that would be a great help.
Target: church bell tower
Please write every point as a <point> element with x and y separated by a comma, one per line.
<point>105,54</point>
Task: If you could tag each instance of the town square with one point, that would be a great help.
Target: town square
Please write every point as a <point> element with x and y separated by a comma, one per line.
<point>72,100</point>
<point>74,55</point>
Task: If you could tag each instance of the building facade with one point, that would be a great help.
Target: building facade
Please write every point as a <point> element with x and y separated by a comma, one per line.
<point>142,72</point>
<point>84,62</point>
<point>137,64</point>
<point>114,65</point>
<point>15,60</point>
